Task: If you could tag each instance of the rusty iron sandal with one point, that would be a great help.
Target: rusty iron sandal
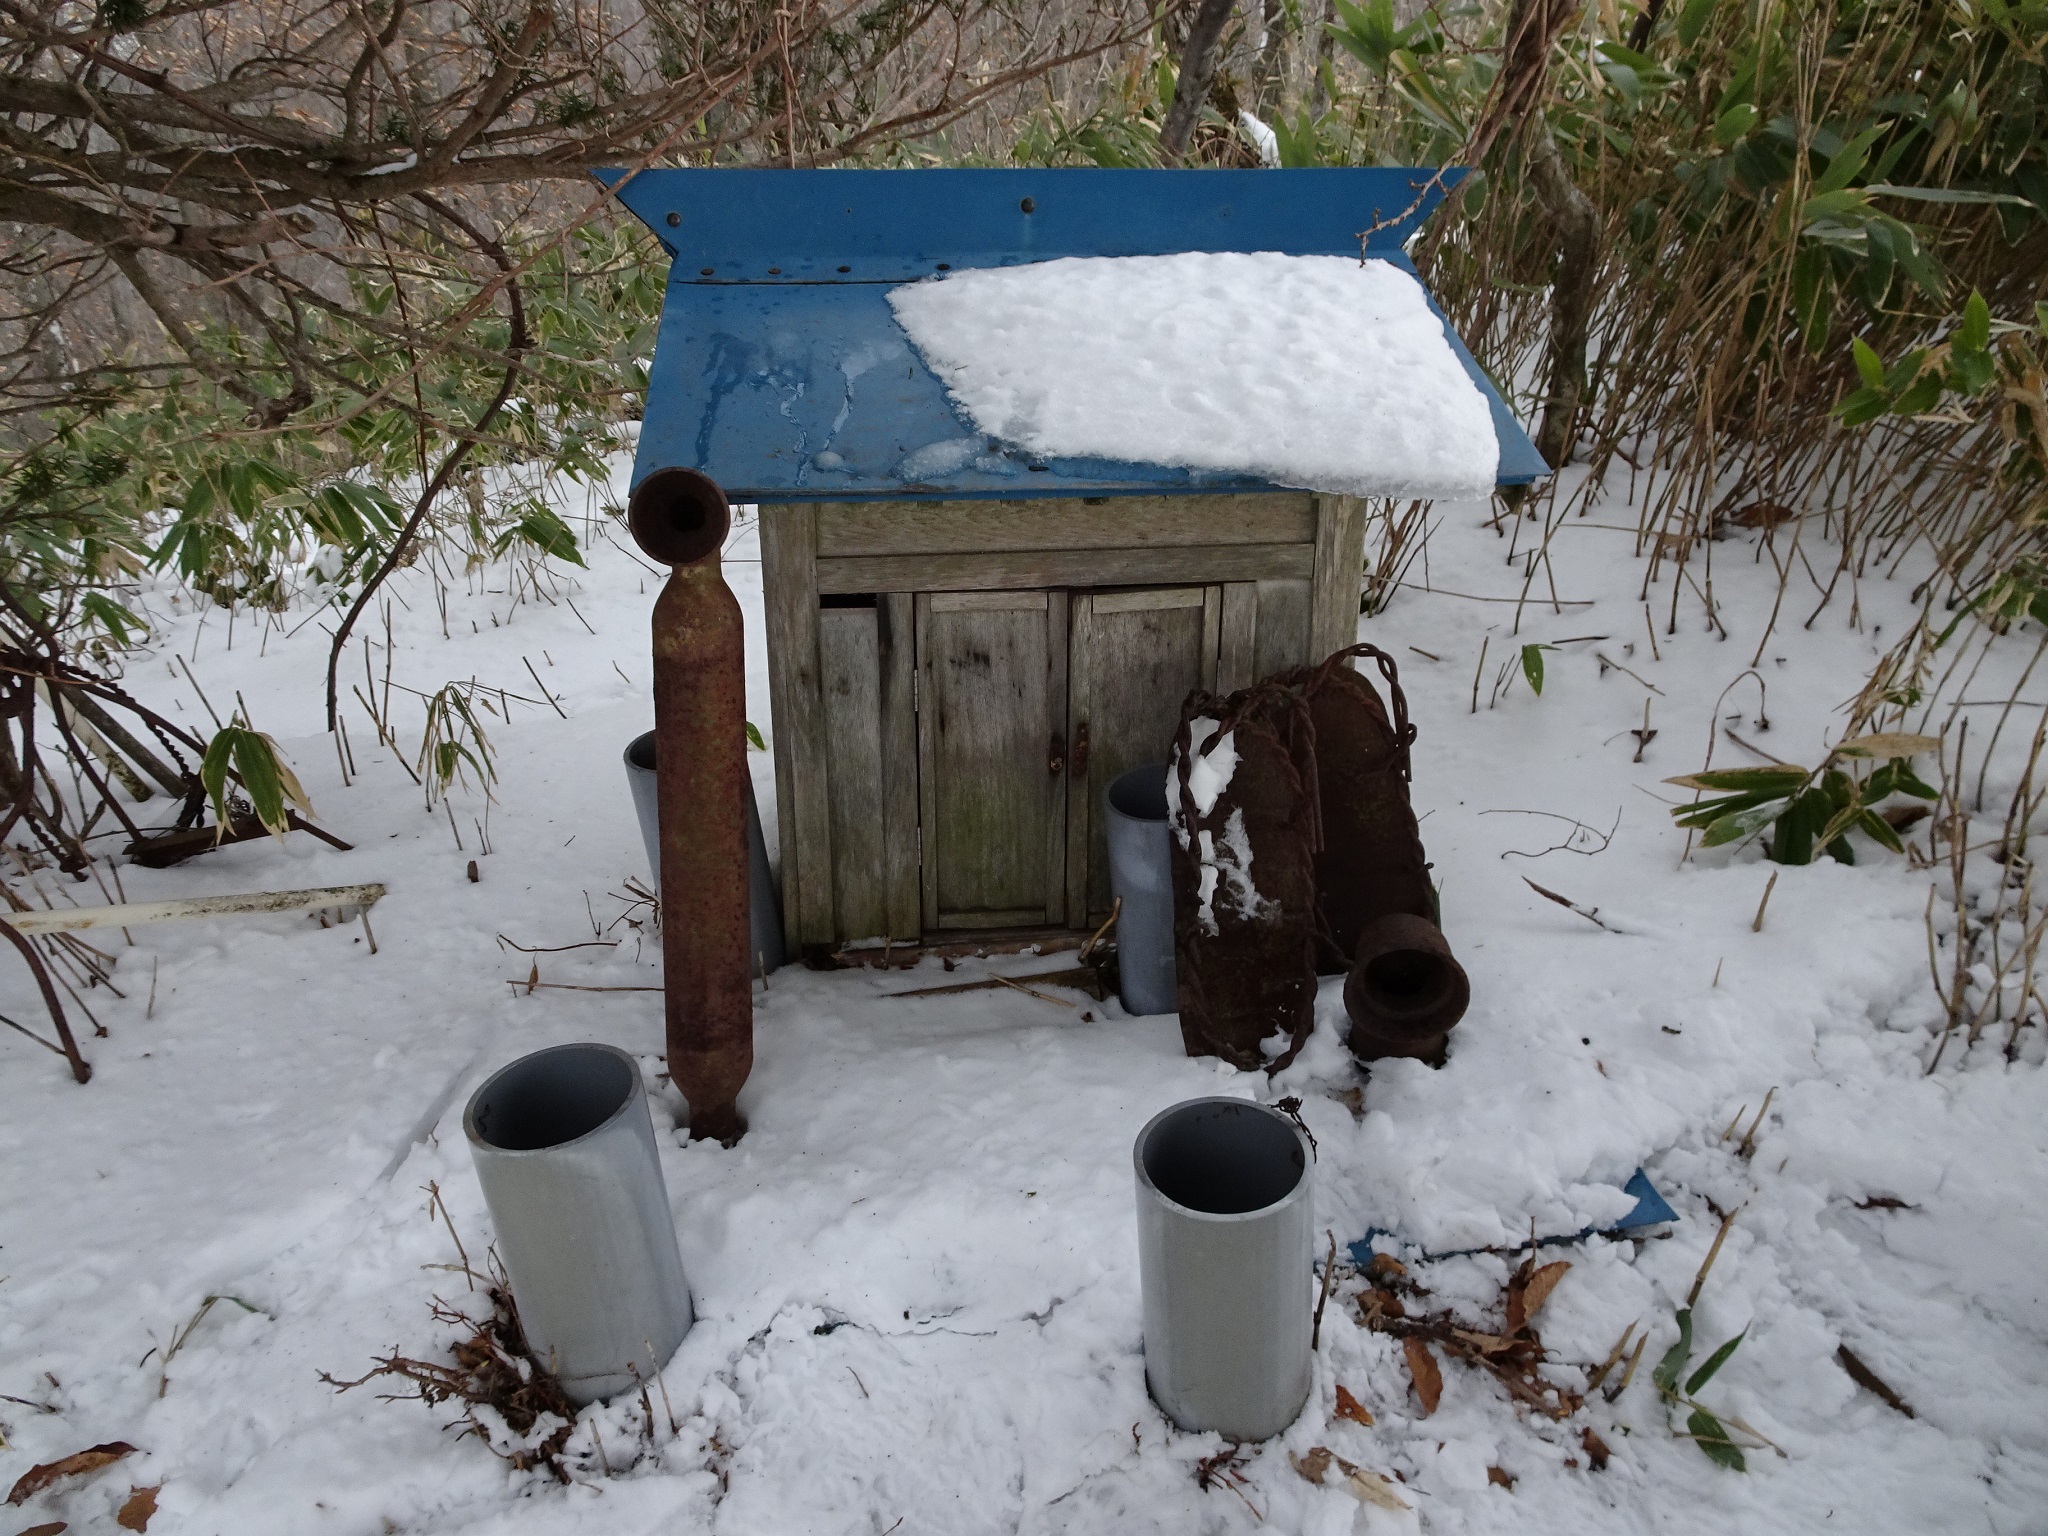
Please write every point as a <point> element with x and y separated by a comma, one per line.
<point>1376,909</point>
<point>1243,887</point>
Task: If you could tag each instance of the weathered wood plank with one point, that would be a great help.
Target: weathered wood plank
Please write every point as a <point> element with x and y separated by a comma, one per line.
<point>1100,522</point>
<point>993,811</point>
<point>803,810</point>
<point>988,602</point>
<point>895,640</point>
<point>1237,654</point>
<point>1150,597</point>
<point>1139,665</point>
<point>133,914</point>
<point>1162,565</point>
<point>1339,574</point>
<point>1281,639</point>
<point>927,769</point>
<point>1212,634</point>
<point>850,679</point>
<point>1059,651</point>
<point>1080,710</point>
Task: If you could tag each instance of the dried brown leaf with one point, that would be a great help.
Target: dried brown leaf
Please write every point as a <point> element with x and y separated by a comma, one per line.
<point>1500,1477</point>
<point>1384,1266</point>
<point>1528,1292</point>
<point>1371,1488</point>
<point>1864,1377</point>
<point>1313,1464</point>
<point>1483,1343</point>
<point>47,1528</point>
<point>1373,1306</point>
<point>1349,1407</point>
<point>134,1515</point>
<point>1595,1449</point>
<point>1429,1378</point>
<point>36,1479</point>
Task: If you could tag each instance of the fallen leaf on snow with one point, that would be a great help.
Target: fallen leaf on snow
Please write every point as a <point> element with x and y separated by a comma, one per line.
<point>1500,1477</point>
<point>1315,1464</point>
<point>1367,1487</point>
<point>1485,1343</point>
<point>134,1515</point>
<point>47,1528</point>
<point>1349,1407</point>
<point>1429,1379</point>
<point>36,1479</point>
<point>1596,1449</point>
<point>1371,1488</point>
<point>1530,1289</point>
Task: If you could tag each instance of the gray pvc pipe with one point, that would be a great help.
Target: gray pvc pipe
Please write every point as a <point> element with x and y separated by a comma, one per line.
<point>1226,1217</point>
<point>764,901</point>
<point>1141,874</point>
<point>564,1148</point>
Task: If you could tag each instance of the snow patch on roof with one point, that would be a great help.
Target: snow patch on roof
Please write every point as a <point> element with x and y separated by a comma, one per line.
<point>1314,371</point>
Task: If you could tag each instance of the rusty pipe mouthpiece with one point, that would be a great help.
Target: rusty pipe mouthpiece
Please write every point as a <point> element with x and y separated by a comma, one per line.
<point>678,516</point>
<point>1405,990</point>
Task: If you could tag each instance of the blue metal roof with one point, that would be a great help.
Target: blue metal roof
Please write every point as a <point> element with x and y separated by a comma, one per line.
<point>780,371</point>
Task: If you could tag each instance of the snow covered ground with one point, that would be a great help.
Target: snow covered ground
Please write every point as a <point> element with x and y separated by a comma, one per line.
<point>916,1276</point>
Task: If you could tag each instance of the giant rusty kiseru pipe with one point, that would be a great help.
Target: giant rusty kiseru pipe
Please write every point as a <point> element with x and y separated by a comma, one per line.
<point>681,518</point>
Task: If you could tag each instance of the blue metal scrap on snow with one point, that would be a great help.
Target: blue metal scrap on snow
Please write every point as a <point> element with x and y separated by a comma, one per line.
<point>780,370</point>
<point>1651,1209</point>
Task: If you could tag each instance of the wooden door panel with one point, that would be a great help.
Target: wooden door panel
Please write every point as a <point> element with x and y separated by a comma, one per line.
<point>864,663</point>
<point>1283,628</point>
<point>1134,658</point>
<point>992,669</point>
<point>850,677</point>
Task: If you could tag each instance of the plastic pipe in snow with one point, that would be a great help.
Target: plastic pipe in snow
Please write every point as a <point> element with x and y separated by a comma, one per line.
<point>764,902</point>
<point>1226,1222</point>
<point>564,1148</point>
<point>1141,879</point>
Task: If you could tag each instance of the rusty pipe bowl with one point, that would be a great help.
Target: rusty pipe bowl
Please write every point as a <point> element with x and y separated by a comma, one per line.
<point>1405,992</point>
<point>678,516</point>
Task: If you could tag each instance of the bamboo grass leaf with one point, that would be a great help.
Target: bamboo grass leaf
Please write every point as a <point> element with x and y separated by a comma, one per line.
<point>1880,831</point>
<point>1714,1362</point>
<point>1888,744</point>
<point>1773,780</point>
<point>1734,828</point>
<point>1708,1433</point>
<point>1974,333</point>
<point>1675,1358</point>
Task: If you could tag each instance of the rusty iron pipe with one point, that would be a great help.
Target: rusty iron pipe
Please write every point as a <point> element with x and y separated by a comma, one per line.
<point>1406,991</point>
<point>681,518</point>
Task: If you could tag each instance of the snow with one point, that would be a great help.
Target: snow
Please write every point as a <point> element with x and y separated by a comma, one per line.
<point>1316,371</point>
<point>916,1276</point>
<point>1260,135</point>
<point>1210,770</point>
<point>1209,773</point>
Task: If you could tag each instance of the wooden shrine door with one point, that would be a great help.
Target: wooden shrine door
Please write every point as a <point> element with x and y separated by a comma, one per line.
<point>1134,657</point>
<point>992,758</point>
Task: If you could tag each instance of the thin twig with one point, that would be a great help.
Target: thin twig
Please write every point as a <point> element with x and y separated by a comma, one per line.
<point>1315,1338</point>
